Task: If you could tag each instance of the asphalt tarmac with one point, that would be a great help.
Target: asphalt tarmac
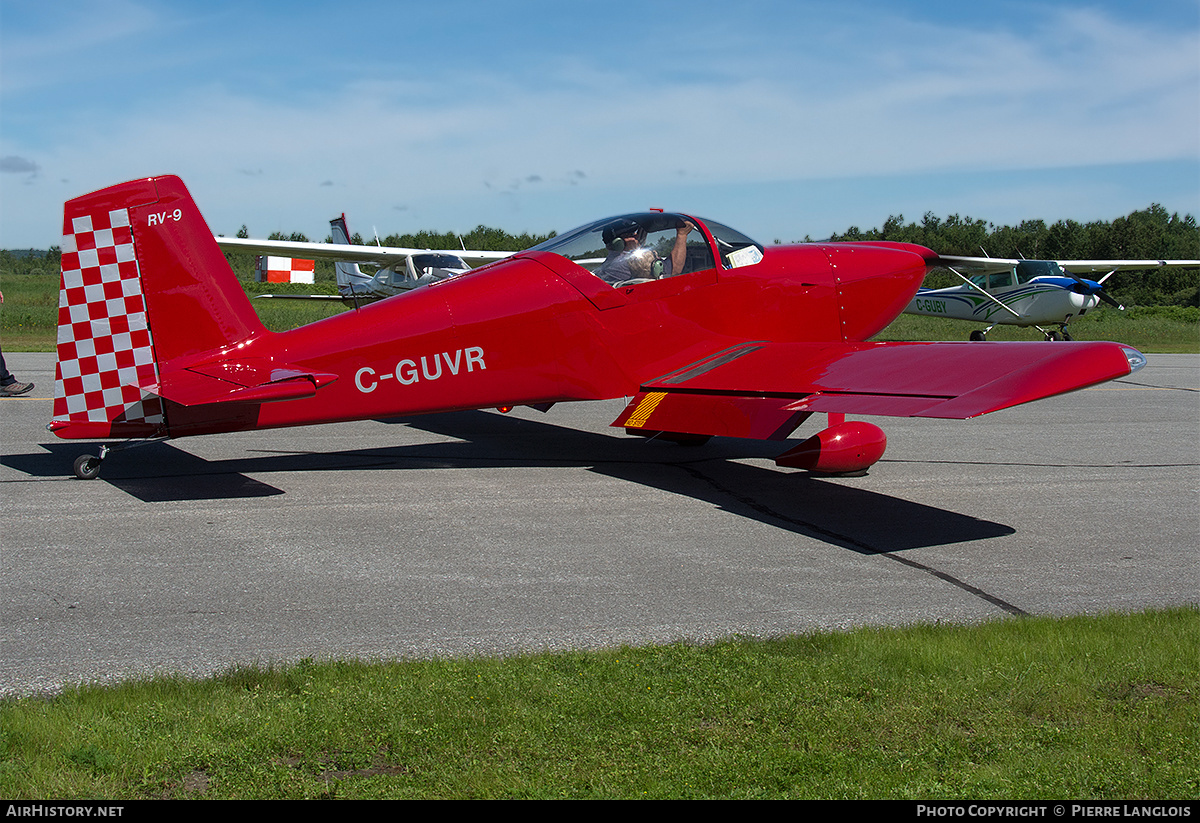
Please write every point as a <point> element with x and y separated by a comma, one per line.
<point>483,533</point>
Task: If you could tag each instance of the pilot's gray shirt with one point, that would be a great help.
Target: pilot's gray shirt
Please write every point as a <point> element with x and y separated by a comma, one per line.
<point>615,267</point>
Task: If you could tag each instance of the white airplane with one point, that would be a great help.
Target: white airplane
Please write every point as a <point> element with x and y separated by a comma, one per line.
<point>398,269</point>
<point>1037,293</point>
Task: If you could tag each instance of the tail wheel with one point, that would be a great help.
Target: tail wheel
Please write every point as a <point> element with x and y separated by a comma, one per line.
<point>87,467</point>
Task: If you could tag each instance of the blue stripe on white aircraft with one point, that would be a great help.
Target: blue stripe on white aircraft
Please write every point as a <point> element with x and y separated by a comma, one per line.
<point>1038,293</point>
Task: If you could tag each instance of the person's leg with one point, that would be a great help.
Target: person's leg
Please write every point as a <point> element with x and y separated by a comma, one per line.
<point>9,386</point>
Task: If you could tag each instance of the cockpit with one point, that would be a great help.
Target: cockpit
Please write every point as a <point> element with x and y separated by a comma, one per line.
<point>1024,272</point>
<point>438,260</point>
<point>636,248</point>
<point>991,282</point>
<point>424,268</point>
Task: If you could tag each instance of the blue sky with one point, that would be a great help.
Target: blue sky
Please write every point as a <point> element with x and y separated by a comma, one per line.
<point>784,118</point>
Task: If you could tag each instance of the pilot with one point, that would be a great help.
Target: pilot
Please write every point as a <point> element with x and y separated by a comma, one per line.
<point>628,260</point>
<point>622,238</point>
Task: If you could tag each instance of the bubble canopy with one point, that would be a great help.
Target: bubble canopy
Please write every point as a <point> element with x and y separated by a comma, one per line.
<point>654,236</point>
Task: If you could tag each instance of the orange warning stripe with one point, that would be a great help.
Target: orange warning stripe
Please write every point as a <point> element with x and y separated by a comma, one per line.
<point>644,409</point>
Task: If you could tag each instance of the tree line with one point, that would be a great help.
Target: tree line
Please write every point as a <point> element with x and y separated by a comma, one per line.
<point>1149,234</point>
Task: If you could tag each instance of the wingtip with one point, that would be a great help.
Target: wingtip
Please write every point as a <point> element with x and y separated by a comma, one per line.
<point>1136,359</point>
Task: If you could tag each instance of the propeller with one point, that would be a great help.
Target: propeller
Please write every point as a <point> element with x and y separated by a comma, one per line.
<point>1083,286</point>
<point>1107,298</point>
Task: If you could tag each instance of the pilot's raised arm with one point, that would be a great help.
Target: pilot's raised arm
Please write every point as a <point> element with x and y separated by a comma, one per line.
<point>679,250</point>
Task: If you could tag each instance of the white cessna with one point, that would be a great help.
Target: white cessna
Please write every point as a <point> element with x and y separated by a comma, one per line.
<point>1037,293</point>
<point>398,269</point>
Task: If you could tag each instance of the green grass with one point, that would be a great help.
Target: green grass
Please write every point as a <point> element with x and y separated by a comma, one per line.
<point>29,317</point>
<point>29,314</point>
<point>284,314</point>
<point>1089,707</point>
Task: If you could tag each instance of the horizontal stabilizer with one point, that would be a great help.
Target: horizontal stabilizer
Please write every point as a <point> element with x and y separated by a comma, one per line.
<point>238,381</point>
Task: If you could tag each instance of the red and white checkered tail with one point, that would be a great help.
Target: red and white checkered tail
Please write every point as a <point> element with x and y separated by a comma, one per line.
<point>144,289</point>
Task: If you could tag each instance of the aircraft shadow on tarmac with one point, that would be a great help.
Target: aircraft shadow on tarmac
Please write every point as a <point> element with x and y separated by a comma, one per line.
<point>853,518</point>
<point>153,473</point>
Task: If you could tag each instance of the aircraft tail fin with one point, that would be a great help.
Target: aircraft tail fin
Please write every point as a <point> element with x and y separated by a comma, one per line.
<point>145,291</point>
<point>350,278</point>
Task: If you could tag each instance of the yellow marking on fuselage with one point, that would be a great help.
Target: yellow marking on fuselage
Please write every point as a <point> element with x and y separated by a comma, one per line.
<point>644,409</point>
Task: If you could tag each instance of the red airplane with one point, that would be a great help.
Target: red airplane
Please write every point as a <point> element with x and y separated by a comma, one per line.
<point>707,331</point>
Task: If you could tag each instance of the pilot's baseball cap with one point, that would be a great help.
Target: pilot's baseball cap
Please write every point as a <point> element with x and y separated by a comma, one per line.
<point>623,227</point>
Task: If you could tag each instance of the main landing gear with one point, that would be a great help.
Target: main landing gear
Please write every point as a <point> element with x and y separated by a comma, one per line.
<point>981,335</point>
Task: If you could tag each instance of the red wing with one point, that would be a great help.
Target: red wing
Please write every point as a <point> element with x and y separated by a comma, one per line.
<point>763,390</point>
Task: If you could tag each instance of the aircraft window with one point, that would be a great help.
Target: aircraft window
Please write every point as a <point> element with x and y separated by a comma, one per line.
<point>1001,281</point>
<point>429,267</point>
<point>582,245</point>
<point>1028,269</point>
<point>979,281</point>
<point>438,261</point>
<point>735,248</point>
<point>635,248</point>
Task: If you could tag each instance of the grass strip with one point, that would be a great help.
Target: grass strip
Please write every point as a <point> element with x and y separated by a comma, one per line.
<point>1095,707</point>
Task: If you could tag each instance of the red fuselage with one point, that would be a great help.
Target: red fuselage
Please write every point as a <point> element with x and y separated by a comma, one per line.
<point>537,329</point>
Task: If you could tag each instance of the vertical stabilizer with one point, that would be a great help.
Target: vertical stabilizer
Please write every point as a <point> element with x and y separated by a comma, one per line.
<point>144,289</point>
<point>350,277</point>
